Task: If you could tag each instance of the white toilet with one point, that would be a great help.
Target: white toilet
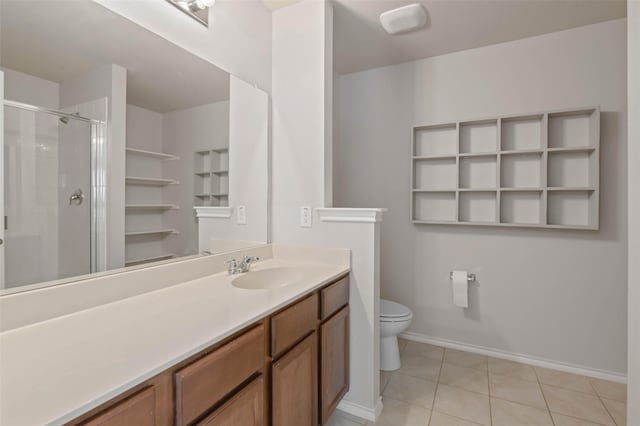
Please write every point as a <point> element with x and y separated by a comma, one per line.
<point>394,319</point>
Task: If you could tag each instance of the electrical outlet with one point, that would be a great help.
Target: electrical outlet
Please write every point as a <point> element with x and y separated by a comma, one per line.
<point>241,216</point>
<point>305,217</point>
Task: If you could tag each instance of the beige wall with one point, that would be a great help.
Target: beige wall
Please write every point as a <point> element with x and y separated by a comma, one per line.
<point>552,295</point>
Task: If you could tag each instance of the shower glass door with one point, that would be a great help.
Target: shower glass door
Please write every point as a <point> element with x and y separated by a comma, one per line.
<point>47,196</point>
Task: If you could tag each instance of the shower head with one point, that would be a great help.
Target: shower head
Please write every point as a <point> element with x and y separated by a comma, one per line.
<point>65,120</point>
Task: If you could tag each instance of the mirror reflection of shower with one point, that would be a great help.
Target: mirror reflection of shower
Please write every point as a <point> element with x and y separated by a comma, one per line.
<point>49,230</point>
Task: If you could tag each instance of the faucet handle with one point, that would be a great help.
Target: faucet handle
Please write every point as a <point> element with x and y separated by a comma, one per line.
<point>232,266</point>
<point>250,259</point>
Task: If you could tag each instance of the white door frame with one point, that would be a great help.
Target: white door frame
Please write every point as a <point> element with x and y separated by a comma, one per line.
<point>633,144</point>
<point>2,236</point>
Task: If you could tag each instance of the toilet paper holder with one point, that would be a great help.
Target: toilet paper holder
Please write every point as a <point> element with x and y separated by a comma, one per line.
<point>470,277</point>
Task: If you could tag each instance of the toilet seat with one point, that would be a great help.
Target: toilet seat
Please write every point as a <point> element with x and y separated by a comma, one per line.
<point>394,312</point>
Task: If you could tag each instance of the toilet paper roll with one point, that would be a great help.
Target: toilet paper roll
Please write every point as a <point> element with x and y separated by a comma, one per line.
<point>460,288</point>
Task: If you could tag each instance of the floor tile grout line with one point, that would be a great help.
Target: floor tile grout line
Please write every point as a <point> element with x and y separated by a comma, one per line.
<point>578,418</point>
<point>607,410</point>
<point>435,392</point>
<point>538,382</point>
<point>553,422</point>
<point>602,402</point>
<point>460,418</point>
<point>489,392</point>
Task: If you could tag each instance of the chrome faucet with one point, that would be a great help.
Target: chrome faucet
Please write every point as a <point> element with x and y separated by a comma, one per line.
<point>244,265</point>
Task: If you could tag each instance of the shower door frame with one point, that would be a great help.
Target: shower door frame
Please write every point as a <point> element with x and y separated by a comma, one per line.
<point>98,184</point>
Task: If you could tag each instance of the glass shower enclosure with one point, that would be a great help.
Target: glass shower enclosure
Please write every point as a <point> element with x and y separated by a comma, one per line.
<point>49,194</point>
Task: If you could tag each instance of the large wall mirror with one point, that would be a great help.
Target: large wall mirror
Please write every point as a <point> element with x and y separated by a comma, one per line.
<point>111,136</point>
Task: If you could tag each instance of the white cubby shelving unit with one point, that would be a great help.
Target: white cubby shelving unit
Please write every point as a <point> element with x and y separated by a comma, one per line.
<point>145,206</point>
<point>211,180</point>
<point>529,170</point>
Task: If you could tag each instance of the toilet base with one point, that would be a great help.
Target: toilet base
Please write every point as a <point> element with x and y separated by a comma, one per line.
<point>389,353</point>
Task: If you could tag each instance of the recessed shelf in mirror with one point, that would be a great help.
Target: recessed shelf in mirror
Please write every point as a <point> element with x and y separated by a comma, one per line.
<point>150,207</point>
<point>134,180</point>
<point>151,154</point>
<point>149,232</point>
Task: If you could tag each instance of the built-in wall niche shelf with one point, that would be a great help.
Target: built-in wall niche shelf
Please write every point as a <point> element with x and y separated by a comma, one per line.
<point>211,180</point>
<point>141,261</point>
<point>151,154</point>
<point>528,170</point>
<point>150,207</point>
<point>135,180</point>
<point>151,232</point>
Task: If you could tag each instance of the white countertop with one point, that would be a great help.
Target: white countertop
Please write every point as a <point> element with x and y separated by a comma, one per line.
<point>56,370</point>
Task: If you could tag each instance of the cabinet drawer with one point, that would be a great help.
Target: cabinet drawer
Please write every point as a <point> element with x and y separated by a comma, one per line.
<point>138,409</point>
<point>246,408</point>
<point>202,384</point>
<point>334,297</point>
<point>293,324</point>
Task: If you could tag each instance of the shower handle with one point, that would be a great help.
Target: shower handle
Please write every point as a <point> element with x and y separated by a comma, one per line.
<point>76,197</point>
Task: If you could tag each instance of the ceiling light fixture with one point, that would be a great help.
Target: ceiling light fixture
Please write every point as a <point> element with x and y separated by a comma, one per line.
<point>404,19</point>
<point>197,9</point>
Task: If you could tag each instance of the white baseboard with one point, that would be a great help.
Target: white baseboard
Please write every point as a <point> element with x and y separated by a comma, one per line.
<point>359,413</point>
<point>510,356</point>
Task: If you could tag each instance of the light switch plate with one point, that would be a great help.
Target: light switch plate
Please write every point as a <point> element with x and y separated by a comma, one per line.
<point>241,217</point>
<point>305,217</point>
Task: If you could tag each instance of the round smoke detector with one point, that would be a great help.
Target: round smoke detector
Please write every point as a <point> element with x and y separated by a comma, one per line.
<point>404,19</point>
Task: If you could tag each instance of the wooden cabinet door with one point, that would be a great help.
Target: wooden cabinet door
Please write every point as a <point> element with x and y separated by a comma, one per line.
<point>246,408</point>
<point>138,409</point>
<point>334,362</point>
<point>294,389</point>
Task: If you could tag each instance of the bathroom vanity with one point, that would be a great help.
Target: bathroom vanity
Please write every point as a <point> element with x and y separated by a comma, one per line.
<point>289,368</point>
<point>208,350</point>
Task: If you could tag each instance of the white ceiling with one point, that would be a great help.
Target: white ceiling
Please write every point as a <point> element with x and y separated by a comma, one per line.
<point>360,42</point>
<point>59,40</point>
<point>278,4</point>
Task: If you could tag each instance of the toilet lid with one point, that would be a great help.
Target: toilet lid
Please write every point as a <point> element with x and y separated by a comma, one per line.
<point>389,309</point>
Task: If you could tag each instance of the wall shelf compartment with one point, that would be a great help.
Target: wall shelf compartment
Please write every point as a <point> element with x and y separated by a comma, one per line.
<point>146,207</point>
<point>135,180</point>
<point>478,172</point>
<point>151,154</point>
<point>150,207</point>
<point>522,133</point>
<point>522,207</point>
<point>478,207</point>
<point>435,140</point>
<point>211,181</point>
<point>478,137</point>
<point>151,232</point>
<point>538,170</point>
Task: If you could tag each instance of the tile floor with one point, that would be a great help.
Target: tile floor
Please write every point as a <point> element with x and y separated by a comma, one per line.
<point>445,387</point>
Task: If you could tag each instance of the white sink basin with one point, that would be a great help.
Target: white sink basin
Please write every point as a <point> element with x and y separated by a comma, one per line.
<point>270,278</point>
